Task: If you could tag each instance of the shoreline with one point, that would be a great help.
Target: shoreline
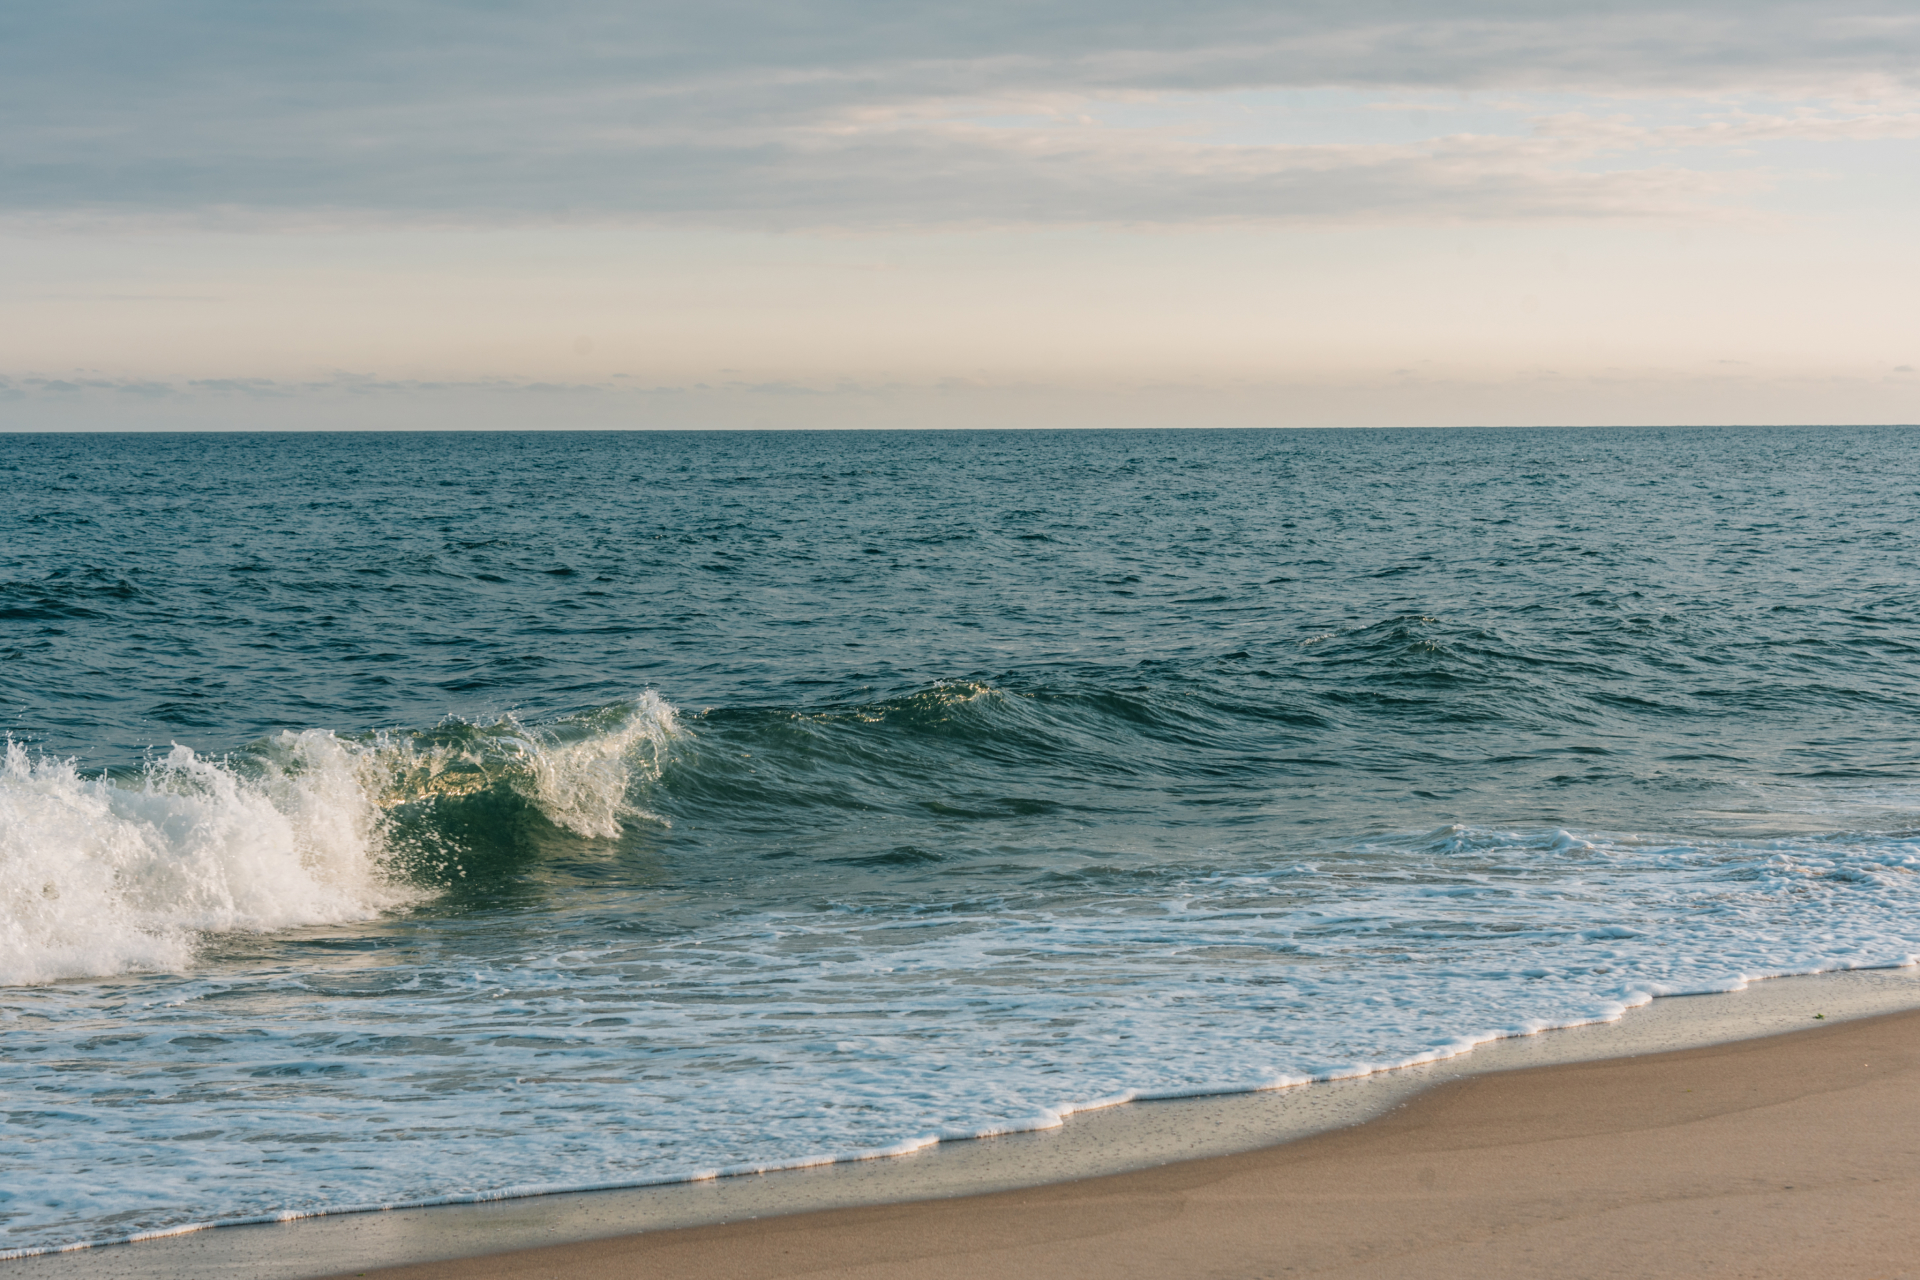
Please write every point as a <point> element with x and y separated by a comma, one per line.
<point>1772,1159</point>
<point>1091,1144</point>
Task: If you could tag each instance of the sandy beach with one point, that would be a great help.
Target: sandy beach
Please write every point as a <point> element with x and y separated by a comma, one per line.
<point>1792,1156</point>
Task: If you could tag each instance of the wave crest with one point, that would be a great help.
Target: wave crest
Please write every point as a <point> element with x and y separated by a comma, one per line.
<point>579,771</point>
<point>101,876</point>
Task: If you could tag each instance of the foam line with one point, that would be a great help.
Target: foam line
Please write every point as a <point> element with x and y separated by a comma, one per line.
<point>1046,1119</point>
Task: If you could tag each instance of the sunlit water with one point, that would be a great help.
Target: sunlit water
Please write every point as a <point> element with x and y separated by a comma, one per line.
<point>395,817</point>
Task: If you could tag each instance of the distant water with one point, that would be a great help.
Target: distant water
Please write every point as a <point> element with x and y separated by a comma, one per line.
<point>394,817</point>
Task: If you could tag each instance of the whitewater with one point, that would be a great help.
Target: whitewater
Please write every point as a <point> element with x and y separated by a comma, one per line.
<point>397,820</point>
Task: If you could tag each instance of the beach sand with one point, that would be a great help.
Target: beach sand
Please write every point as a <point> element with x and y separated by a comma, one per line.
<point>1790,1156</point>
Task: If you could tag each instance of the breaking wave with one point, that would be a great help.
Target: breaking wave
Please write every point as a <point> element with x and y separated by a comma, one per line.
<point>102,875</point>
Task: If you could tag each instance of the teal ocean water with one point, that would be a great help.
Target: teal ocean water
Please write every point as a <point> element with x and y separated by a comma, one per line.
<point>392,818</point>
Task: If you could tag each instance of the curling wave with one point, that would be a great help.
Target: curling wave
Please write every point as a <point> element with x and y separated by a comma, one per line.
<point>100,875</point>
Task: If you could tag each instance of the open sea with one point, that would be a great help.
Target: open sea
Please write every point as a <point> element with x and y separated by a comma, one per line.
<point>389,818</point>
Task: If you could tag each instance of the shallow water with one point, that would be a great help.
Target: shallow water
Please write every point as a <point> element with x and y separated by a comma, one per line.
<point>393,817</point>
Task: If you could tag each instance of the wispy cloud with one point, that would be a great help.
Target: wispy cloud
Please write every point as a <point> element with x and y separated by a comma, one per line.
<point>842,112</point>
<point>1739,129</point>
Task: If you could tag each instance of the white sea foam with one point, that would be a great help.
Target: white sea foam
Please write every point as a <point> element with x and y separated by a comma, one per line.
<point>99,877</point>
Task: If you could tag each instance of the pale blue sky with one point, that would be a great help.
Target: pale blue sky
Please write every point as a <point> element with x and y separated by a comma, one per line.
<point>846,213</point>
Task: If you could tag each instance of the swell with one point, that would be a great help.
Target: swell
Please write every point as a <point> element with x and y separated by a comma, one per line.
<point>100,875</point>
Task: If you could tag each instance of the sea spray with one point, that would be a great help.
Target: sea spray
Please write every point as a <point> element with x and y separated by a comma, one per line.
<point>101,875</point>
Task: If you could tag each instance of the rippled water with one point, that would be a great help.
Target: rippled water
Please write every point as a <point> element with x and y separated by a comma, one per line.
<point>392,817</point>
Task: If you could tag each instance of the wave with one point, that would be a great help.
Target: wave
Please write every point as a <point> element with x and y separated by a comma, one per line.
<point>100,875</point>
<point>578,771</point>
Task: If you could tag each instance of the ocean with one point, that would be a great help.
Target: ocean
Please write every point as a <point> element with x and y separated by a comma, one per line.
<point>398,818</point>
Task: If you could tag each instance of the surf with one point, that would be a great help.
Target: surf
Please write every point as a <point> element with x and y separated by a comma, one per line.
<point>101,875</point>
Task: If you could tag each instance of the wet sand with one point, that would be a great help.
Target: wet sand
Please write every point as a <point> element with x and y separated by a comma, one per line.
<point>1793,1156</point>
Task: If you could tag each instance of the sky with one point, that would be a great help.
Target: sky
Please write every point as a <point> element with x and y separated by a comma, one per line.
<point>450,214</point>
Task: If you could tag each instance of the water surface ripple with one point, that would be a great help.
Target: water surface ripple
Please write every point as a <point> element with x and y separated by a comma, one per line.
<point>394,817</point>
